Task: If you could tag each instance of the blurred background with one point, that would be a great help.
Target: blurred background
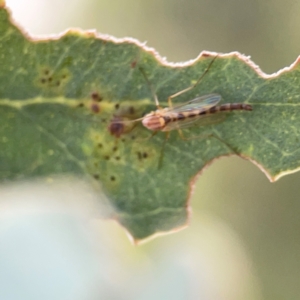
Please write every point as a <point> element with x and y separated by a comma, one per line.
<point>243,241</point>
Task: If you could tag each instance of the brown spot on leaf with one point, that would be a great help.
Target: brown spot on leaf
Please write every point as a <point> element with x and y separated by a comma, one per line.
<point>95,108</point>
<point>116,127</point>
<point>139,154</point>
<point>119,126</point>
<point>131,110</point>
<point>133,64</point>
<point>96,97</point>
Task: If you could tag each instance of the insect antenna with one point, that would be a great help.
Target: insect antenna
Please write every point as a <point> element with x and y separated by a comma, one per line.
<point>193,85</point>
<point>162,151</point>
<point>118,119</point>
<point>151,88</point>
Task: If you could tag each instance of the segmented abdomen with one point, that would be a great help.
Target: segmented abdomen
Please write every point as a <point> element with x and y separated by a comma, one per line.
<point>215,109</point>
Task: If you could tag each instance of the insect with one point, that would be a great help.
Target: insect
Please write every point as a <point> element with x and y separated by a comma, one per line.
<point>187,114</point>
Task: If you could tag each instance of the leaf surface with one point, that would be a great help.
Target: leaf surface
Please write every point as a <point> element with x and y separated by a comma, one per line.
<point>61,100</point>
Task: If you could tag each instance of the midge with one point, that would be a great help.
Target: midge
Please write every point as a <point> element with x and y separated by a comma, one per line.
<point>187,114</point>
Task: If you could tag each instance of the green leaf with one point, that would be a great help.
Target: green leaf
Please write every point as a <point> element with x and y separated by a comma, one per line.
<point>59,97</point>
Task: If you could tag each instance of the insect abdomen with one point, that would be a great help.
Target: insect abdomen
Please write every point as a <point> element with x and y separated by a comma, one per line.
<point>223,107</point>
<point>230,107</point>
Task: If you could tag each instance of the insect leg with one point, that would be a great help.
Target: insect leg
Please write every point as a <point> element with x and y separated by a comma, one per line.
<point>192,86</point>
<point>152,135</point>
<point>225,143</point>
<point>147,138</point>
<point>211,135</point>
<point>151,88</point>
<point>181,134</point>
<point>162,151</point>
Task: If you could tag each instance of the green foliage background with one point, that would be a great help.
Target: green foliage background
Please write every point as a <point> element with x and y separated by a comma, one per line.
<point>264,216</point>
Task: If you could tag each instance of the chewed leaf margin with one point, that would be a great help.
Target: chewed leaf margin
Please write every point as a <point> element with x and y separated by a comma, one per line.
<point>200,154</point>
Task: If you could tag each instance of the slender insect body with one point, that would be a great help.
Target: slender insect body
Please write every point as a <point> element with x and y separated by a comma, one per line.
<point>183,115</point>
<point>168,119</point>
<point>199,111</point>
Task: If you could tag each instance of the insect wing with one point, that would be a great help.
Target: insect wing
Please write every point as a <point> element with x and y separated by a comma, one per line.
<point>203,103</point>
<point>196,121</point>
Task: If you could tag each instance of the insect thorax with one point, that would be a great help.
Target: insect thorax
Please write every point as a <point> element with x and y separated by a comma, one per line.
<point>154,121</point>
